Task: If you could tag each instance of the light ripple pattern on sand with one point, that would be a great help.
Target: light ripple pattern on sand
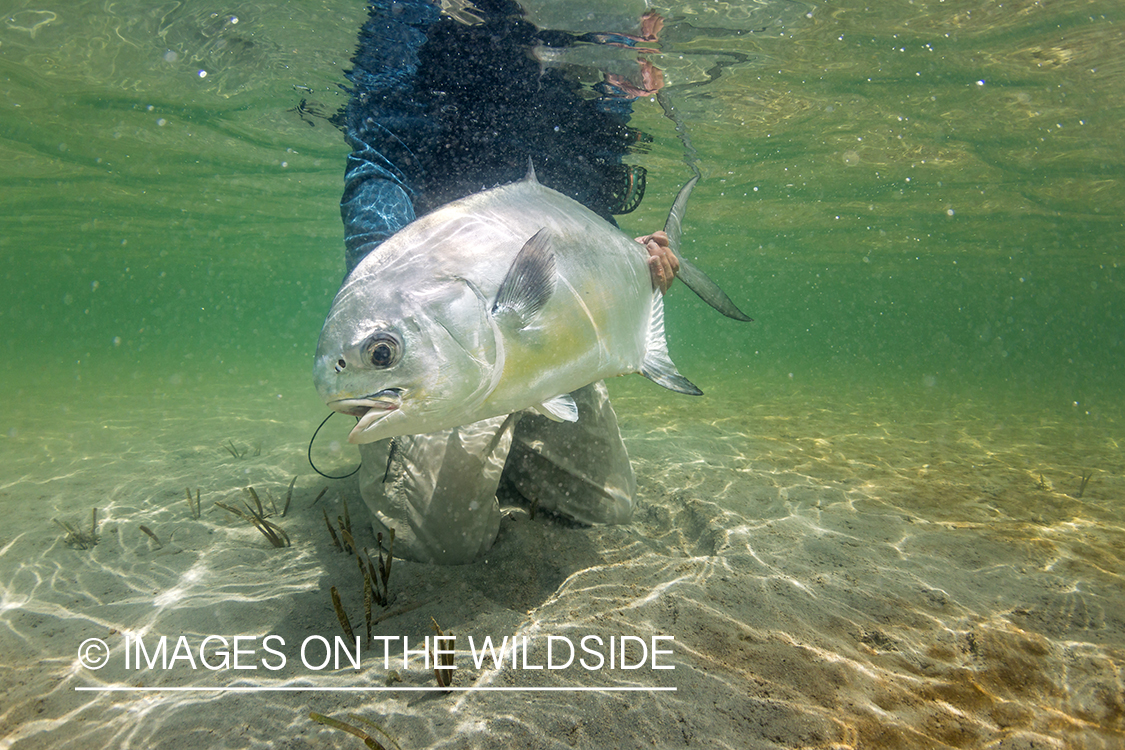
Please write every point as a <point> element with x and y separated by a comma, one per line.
<point>830,579</point>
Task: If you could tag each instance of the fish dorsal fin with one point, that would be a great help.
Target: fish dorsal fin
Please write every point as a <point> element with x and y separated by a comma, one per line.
<point>657,365</point>
<point>559,409</point>
<point>529,284</point>
<point>530,176</point>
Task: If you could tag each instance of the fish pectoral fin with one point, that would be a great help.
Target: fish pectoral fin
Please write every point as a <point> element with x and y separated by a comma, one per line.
<point>657,365</point>
<point>559,409</point>
<point>529,284</point>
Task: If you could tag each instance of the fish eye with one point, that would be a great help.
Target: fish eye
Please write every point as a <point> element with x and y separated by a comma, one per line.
<point>382,350</point>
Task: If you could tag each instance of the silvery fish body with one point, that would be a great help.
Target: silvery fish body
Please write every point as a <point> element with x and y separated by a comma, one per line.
<point>505,300</point>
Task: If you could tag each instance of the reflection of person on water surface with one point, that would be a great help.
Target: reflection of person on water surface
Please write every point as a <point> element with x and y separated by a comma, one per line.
<point>444,106</point>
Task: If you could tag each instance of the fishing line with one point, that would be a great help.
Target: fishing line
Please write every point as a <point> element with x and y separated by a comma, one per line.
<point>313,440</point>
<point>691,156</point>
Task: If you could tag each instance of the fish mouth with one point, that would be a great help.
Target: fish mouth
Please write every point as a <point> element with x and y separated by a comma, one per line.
<point>369,409</point>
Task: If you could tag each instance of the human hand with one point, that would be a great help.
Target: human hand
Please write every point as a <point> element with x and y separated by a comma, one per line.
<point>662,262</point>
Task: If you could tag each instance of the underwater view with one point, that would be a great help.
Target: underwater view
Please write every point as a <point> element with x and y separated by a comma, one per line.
<point>894,519</point>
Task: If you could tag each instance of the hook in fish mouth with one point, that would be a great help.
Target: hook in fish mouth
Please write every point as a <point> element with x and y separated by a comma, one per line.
<point>371,407</point>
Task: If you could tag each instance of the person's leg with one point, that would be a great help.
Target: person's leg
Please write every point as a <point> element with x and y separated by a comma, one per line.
<point>578,469</point>
<point>438,491</point>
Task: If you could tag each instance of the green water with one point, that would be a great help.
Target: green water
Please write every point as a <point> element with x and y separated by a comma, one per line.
<point>928,193</point>
<point>921,204</point>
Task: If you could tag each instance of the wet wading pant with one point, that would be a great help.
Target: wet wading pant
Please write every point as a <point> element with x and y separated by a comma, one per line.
<point>438,491</point>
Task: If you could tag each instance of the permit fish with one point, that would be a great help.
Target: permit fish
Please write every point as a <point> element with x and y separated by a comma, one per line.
<point>505,300</point>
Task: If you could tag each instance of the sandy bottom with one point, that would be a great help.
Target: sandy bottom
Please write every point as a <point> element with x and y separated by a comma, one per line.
<point>833,573</point>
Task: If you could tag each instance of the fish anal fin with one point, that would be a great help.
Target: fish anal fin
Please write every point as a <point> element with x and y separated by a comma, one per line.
<point>559,409</point>
<point>657,365</point>
<point>671,380</point>
<point>530,282</point>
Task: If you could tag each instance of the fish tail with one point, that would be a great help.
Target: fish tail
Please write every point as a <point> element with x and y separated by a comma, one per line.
<point>696,280</point>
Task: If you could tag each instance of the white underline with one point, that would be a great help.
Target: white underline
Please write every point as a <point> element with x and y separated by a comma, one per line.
<point>293,689</point>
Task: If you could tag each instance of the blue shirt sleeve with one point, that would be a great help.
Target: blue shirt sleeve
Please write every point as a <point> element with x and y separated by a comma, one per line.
<point>379,186</point>
<point>376,204</point>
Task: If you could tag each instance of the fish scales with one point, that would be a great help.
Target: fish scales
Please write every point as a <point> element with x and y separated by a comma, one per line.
<point>504,300</point>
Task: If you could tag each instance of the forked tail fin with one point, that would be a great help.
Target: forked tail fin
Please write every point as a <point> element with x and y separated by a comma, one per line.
<point>696,280</point>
